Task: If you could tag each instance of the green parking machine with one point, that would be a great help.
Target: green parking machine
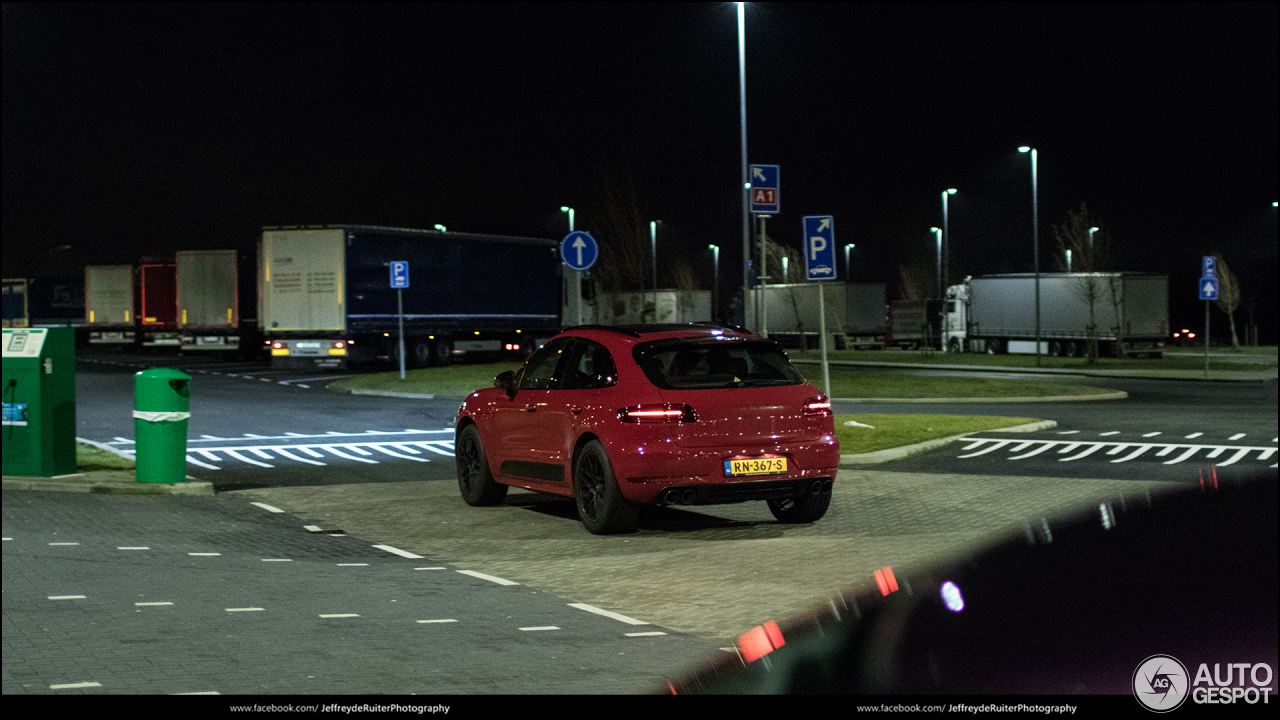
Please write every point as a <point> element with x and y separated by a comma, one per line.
<point>161,407</point>
<point>39,432</point>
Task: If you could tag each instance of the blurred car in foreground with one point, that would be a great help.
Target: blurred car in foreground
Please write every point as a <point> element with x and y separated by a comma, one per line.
<point>619,417</point>
<point>1069,606</point>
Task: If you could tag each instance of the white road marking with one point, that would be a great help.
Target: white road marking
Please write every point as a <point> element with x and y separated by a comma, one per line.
<point>206,465</point>
<point>245,609</point>
<point>1068,432</point>
<point>67,543</point>
<point>1151,434</point>
<point>267,507</point>
<point>490,578</point>
<point>1113,432</point>
<point>1192,436</point>
<point>277,560</point>
<point>430,568</point>
<point>341,454</point>
<point>340,615</point>
<point>539,627</point>
<point>1033,453</point>
<point>1141,449</point>
<point>993,448</point>
<point>312,528</point>
<point>446,620</point>
<point>353,564</point>
<point>982,446</point>
<point>398,551</point>
<point>67,597</point>
<point>133,548</point>
<point>608,614</point>
<point>1237,436</point>
<point>385,451</point>
<point>72,686</point>
<point>238,456</point>
<point>152,604</point>
<point>644,634</point>
<point>205,554</point>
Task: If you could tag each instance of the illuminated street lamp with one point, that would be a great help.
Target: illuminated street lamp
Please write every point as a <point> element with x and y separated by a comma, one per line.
<point>784,268</point>
<point>1035,236</point>
<point>848,276</point>
<point>567,209</point>
<point>1092,230</point>
<point>946,237</point>
<point>1068,261</point>
<point>715,282</point>
<point>938,233</point>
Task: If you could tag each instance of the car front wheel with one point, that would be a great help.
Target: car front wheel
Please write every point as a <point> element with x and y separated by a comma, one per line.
<point>601,507</point>
<point>474,477</point>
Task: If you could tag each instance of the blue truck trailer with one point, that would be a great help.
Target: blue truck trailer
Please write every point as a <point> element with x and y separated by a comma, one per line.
<point>325,298</point>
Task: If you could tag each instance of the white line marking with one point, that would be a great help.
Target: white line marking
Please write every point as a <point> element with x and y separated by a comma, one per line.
<point>304,386</point>
<point>405,448</point>
<point>1167,449</point>
<point>996,446</point>
<point>242,458</point>
<point>202,692</point>
<point>1068,448</point>
<point>67,597</point>
<point>1194,435</point>
<point>434,449</point>
<point>644,634</point>
<point>1151,434</point>
<point>152,604</point>
<point>1092,448</point>
<point>1033,453</point>
<point>1190,451</point>
<point>205,554</point>
<point>490,578</point>
<point>540,627</point>
<point>244,609</point>
<point>1113,432</point>
<point>134,548</point>
<point>267,507</point>
<point>64,543</point>
<point>1216,452</point>
<point>291,456</point>
<point>260,453</point>
<point>194,461</point>
<point>340,615</point>
<point>430,568</point>
<point>1237,436</point>
<point>312,528</point>
<point>1261,456</point>
<point>385,451</point>
<point>447,620</point>
<point>341,454</point>
<point>1116,450</point>
<point>1239,454</point>
<point>1068,432</point>
<point>277,560</point>
<point>398,551</point>
<point>72,686</point>
<point>310,452</point>
<point>353,564</point>
<point>608,614</point>
<point>357,448</point>
<point>1141,449</point>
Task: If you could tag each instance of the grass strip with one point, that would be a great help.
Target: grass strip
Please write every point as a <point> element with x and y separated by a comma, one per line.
<point>90,458</point>
<point>456,380</point>
<point>907,384</point>
<point>891,431</point>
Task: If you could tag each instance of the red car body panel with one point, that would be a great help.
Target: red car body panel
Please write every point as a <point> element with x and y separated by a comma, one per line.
<point>528,435</point>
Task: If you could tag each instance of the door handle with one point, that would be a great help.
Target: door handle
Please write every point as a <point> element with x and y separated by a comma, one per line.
<point>530,408</point>
<point>575,410</point>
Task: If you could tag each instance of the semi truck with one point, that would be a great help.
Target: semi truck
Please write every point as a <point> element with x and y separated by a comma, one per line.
<point>158,303</point>
<point>109,314</point>
<point>914,324</point>
<point>654,306</point>
<point>325,298</point>
<point>1129,314</point>
<point>855,313</point>
<point>208,303</point>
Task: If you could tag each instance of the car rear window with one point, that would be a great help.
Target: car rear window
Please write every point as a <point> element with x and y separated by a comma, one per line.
<point>693,365</point>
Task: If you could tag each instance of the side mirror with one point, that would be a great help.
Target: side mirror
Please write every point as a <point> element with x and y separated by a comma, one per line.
<point>506,381</point>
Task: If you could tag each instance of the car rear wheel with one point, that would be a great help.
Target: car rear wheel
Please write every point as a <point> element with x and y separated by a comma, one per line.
<point>474,477</point>
<point>805,509</point>
<point>601,507</point>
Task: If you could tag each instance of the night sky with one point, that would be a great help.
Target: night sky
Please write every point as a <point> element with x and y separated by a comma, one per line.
<point>134,130</point>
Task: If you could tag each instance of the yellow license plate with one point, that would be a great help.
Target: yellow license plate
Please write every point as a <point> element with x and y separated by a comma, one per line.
<point>755,466</point>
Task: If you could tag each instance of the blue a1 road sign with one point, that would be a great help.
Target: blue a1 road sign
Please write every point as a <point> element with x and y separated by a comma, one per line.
<point>1208,266</point>
<point>579,250</point>
<point>399,274</point>
<point>1208,288</point>
<point>819,248</point>
<point>765,199</point>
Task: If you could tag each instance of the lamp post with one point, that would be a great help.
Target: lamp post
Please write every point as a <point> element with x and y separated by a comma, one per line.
<point>938,234</point>
<point>784,268</point>
<point>440,227</point>
<point>946,237</point>
<point>653,251</point>
<point>848,275</point>
<point>1068,261</point>
<point>746,183</point>
<point>715,282</point>
<point>572,284</point>
<point>1035,237</point>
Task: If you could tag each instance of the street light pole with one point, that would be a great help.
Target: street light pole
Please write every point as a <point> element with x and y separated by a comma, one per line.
<point>572,284</point>
<point>848,275</point>
<point>946,237</point>
<point>715,282</point>
<point>746,183</point>
<point>1035,237</point>
<point>938,234</point>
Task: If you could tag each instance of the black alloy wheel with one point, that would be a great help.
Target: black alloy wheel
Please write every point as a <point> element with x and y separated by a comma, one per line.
<point>475,480</point>
<point>601,507</point>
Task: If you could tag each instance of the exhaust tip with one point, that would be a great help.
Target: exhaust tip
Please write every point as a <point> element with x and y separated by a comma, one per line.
<point>687,497</point>
<point>670,497</point>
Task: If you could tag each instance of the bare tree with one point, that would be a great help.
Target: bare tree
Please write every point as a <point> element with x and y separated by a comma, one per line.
<point>1228,295</point>
<point>623,234</point>
<point>1090,257</point>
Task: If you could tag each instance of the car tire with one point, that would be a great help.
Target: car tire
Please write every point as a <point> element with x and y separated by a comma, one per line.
<point>475,480</point>
<point>797,511</point>
<point>601,507</point>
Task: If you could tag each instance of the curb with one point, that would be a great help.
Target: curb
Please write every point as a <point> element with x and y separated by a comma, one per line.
<point>898,453</point>
<point>1117,395</point>
<point>385,393</point>
<point>107,482</point>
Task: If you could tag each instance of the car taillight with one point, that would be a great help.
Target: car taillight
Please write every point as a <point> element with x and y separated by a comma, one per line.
<point>818,406</point>
<point>658,413</point>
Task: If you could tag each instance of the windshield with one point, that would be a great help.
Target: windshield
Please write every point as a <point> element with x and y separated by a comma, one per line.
<point>697,365</point>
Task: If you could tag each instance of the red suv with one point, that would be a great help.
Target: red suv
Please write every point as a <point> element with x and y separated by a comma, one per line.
<point>626,416</point>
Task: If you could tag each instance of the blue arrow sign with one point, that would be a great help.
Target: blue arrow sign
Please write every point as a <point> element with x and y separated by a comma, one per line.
<point>819,248</point>
<point>765,194</point>
<point>399,274</point>
<point>1208,266</point>
<point>1208,288</point>
<point>579,250</point>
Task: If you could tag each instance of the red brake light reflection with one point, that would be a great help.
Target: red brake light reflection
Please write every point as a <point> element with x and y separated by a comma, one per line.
<point>818,406</point>
<point>657,413</point>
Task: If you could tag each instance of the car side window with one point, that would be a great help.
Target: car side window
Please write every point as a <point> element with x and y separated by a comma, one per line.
<point>590,367</point>
<point>539,371</point>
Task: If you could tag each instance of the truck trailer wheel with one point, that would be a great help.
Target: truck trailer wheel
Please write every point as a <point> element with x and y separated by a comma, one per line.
<point>442,352</point>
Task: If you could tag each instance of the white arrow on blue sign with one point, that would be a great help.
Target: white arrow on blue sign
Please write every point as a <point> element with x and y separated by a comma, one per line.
<point>819,248</point>
<point>765,191</point>
<point>1208,288</point>
<point>399,273</point>
<point>579,250</point>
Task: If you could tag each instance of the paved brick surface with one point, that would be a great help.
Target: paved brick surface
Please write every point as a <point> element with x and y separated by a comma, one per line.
<point>715,571</point>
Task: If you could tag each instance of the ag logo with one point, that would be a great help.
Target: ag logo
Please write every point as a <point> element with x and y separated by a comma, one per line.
<point>1160,683</point>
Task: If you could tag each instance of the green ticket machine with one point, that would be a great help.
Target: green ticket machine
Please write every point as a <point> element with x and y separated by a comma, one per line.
<point>39,433</point>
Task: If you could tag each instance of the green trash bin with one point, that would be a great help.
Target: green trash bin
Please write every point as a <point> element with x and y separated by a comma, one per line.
<point>161,407</point>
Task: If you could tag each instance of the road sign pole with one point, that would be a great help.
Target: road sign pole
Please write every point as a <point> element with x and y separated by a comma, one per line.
<point>400,308</point>
<point>764,301</point>
<point>822,330</point>
<point>1206,339</point>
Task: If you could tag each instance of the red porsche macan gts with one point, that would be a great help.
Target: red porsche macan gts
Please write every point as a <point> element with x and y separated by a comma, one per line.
<point>626,416</point>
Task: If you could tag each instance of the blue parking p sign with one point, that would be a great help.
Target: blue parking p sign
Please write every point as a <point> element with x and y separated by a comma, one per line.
<point>399,274</point>
<point>819,248</point>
